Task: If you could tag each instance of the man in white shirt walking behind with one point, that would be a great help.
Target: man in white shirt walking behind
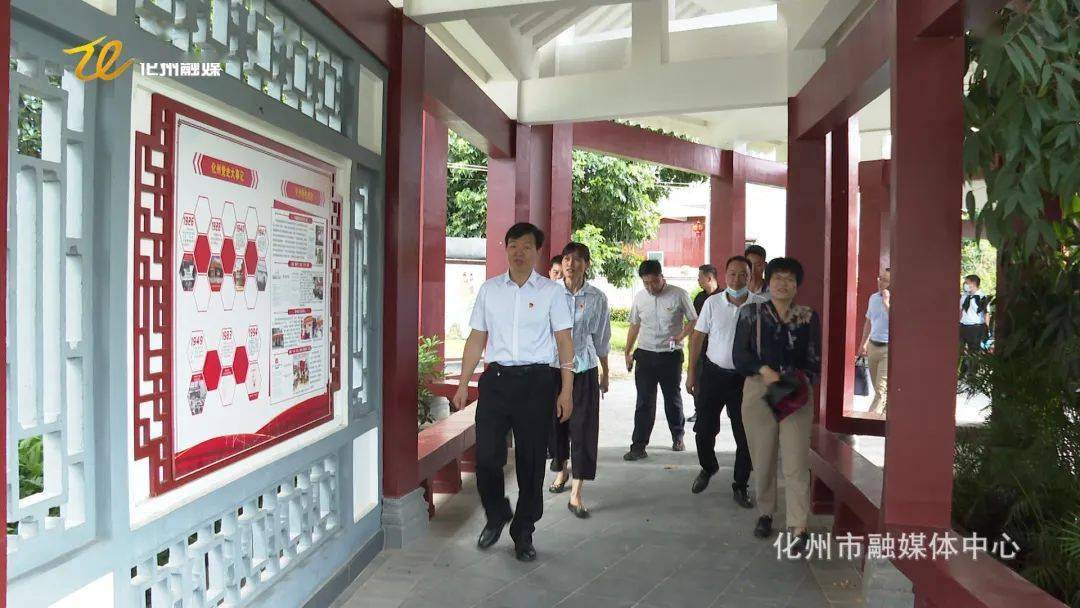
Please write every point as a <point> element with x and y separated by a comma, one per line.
<point>719,384</point>
<point>519,318</point>
<point>875,342</point>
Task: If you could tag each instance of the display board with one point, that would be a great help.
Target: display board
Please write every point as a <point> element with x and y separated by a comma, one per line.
<point>249,263</point>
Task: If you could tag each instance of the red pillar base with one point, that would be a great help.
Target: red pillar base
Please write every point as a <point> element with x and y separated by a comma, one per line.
<point>467,462</point>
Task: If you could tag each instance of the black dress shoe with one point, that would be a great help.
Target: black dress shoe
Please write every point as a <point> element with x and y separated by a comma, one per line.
<point>701,482</point>
<point>490,535</point>
<point>797,547</point>
<point>525,551</point>
<point>579,511</point>
<point>635,455</point>
<point>763,529</point>
<point>678,446</point>
<point>742,498</point>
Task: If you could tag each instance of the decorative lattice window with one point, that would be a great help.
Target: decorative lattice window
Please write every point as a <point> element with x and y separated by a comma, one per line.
<point>50,439</point>
<point>258,43</point>
<point>228,559</point>
<point>360,275</point>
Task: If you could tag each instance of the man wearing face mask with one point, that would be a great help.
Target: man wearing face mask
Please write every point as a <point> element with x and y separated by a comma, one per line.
<point>718,384</point>
<point>974,317</point>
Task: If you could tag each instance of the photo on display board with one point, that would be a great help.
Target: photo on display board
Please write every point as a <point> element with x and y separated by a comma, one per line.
<point>277,337</point>
<point>216,272</point>
<point>317,287</point>
<point>320,255</point>
<point>319,240</point>
<point>301,375</point>
<point>239,277</point>
<point>305,327</point>
<point>187,272</point>
<point>197,394</point>
<point>317,327</point>
<point>260,275</point>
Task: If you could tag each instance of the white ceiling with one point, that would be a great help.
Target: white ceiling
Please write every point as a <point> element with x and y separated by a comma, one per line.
<point>719,71</point>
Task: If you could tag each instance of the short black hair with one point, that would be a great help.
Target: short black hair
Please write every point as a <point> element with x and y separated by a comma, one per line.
<point>756,250</point>
<point>784,265</point>
<point>579,249</point>
<point>520,229</point>
<point>709,269</point>
<point>737,258</point>
<point>974,278</point>
<point>649,267</point>
<point>555,260</point>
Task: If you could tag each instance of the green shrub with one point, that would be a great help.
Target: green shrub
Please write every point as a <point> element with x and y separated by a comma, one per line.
<point>620,315</point>
<point>428,371</point>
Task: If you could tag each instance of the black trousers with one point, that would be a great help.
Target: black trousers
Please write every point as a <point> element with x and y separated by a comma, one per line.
<point>522,400</point>
<point>718,388</point>
<point>971,339</point>
<point>650,369</point>
<point>576,439</point>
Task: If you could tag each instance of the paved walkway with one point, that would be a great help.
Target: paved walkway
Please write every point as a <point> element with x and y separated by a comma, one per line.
<point>650,543</point>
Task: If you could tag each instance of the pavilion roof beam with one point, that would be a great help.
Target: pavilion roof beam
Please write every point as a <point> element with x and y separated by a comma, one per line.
<point>674,88</point>
<point>811,23</point>
<point>562,17</point>
<point>649,34</point>
<point>549,33</point>
<point>478,49</point>
<point>513,50</point>
<point>434,11</point>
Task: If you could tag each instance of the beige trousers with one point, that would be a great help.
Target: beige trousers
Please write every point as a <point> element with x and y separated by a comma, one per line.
<point>788,441</point>
<point>878,358</point>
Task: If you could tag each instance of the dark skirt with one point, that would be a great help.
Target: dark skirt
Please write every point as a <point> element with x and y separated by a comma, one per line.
<point>577,438</point>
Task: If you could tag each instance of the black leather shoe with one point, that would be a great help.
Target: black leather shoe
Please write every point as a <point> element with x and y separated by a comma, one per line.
<point>692,418</point>
<point>525,552</point>
<point>490,535</point>
<point>701,482</point>
<point>678,446</point>
<point>763,529</point>
<point>742,498</point>
<point>799,545</point>
<point>635,455</point>
<point>579,511</point>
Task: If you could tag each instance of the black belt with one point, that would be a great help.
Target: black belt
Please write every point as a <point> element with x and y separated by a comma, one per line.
<point>519,370</point>
<point>716,367</point>
<point>876,343</point>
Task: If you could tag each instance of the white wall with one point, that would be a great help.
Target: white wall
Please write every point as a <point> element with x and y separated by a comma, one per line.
<point>766,217</point>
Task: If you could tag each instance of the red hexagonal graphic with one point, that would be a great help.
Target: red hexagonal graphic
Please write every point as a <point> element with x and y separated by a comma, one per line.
<point>212,370</point>
<point>240,364</point>
<point>202,253</point>
<point>228,255</point>
<point>251,258</point>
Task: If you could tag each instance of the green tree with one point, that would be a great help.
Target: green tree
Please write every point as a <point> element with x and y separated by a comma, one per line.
<point>1020,473</point>
<point>466,189</point>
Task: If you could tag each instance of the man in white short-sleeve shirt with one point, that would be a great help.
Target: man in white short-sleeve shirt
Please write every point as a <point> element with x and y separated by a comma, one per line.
<point>719,385</point>
<point>660,317</point>
<point>520,320</point>
<point>875,343</point>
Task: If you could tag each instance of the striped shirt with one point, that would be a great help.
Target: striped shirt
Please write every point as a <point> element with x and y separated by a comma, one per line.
<point>592,326</point>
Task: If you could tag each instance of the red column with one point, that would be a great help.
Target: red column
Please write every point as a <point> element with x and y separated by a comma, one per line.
<point>926,200</point>
<point>839,333</point>
<point>404,143</point>
<point>433,236</point>
<point>727,208</point>
<point>562,175</point>
<point>535,186</point>
<point>807,236</point>
<point>873,211</point>
<point>507,200</point>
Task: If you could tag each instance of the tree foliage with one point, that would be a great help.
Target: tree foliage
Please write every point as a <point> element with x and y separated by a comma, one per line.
<point>1020,473</point>
<point>614,203</point>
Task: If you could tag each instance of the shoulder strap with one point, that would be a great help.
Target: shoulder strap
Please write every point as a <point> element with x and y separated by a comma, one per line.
<point>759,330</point>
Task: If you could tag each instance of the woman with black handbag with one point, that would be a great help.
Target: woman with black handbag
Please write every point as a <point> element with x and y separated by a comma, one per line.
<point>778,347</point>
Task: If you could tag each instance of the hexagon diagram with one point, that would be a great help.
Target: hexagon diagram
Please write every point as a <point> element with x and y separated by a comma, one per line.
<point>196,350</point>
<point>187,272</point>
<point>251,220</point>
<point>240,236</point>
<point>228,218</point>
<point>216,234</point>
<point>227,386</point>
<point>240,365</point>
<point>202,293</point>
<point>228,256</point>
<point>202,214</point>
<point>254,382</point>
<point>253,342</point>
<point>262,240</point>
<point>212,370</point>
<point>251,258</point>
<point>227,346</point>
<point>216,273</point>
<point>202,254</point>
<point>188,232</point>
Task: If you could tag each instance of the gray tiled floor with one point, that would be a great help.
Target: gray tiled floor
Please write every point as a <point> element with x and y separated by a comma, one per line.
<point>649,544</point>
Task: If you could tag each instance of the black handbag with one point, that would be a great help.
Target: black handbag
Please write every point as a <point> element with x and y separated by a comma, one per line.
<point>862,377</point>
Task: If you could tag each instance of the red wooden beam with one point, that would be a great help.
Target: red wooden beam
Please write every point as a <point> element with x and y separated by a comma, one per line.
<point>641,144</point>
<point>452,96</point>
<point>404,157</point>
<point>873,204</point>
<point>767,172</point>
<point>727,208</point>
<point>562,175</point>
<point>373,24</point>
<point>855,74</point>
